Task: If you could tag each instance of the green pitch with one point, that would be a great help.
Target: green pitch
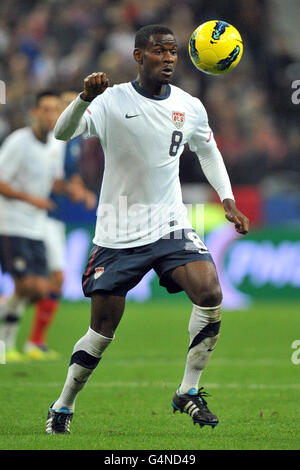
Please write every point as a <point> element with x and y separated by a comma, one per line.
<point>126,405</point>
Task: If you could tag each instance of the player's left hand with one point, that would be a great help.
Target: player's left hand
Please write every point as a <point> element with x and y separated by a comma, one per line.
<point>235,216</point>
<point>79,193</point>
<point>90,200</point>
<point>75,191</point>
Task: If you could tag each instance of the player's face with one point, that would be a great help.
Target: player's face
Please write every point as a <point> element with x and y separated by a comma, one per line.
<point>160,58</point>
<point>46,112</point>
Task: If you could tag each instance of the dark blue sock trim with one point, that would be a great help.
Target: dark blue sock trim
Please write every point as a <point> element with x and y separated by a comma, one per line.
<point>10,318</point>
<point>209,331</point>
<point>84,359</point>
<point>54,296</point>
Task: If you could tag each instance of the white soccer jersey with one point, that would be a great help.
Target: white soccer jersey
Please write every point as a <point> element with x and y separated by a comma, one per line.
<point>142,139</point>
<point>29,166</point>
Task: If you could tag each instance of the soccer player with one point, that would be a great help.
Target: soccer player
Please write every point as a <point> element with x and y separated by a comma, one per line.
<point>143,127</point>
<point>55,239</point>
<point>30,164</point>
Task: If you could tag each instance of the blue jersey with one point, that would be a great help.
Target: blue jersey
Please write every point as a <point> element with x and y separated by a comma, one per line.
<point>71,167</point>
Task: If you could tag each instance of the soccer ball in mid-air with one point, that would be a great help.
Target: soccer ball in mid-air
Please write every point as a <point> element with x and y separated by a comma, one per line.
<point>215,47</point>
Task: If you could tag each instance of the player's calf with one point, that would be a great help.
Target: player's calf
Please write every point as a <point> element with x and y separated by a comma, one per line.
<point>86,355</point>
<point>204,328</point>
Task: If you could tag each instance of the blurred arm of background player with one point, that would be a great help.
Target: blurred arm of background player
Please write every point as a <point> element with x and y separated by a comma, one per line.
<point>39,202</point>
<point>74,188</point>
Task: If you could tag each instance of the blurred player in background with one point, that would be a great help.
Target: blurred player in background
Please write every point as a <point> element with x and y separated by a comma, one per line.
<point>143,127</point>
<point>31,164</point>
<point>55,240</point>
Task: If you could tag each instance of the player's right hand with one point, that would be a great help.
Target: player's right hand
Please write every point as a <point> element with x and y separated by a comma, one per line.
<point>94,85</point>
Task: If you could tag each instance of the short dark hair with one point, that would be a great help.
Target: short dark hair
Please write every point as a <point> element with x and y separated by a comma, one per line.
<point>44,93</point>
<point>143,34</point>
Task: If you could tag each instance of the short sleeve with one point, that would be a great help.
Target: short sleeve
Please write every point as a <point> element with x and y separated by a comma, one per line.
<point>95,116</point>
<point>10,158</point>
<point>202,139</point>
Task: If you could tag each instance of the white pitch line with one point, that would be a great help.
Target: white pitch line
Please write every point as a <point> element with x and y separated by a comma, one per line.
<point>266,362</point>
<point>164,385</point>
<point>218,361</point>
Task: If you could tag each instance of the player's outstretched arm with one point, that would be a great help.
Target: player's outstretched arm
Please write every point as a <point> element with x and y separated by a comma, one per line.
<point>215,171</point>
<point>71,122</point>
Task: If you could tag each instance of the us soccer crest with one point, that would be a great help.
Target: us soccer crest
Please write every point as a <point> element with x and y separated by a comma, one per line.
<point>98,272</point>
<point>178,119</point>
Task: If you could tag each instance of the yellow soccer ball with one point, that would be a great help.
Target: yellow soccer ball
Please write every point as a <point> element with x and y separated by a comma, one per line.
<point>215,47</point>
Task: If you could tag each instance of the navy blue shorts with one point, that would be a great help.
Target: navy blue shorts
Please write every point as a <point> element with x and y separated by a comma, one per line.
<point>116,271</point>
<point>22,256</point>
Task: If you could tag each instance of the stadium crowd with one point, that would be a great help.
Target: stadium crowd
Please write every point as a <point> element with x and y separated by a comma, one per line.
<point>56,43</point>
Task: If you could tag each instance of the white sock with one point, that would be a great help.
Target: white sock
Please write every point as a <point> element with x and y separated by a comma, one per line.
<point>85,357</point>
<point>12,312</point>
<point>203,330</point>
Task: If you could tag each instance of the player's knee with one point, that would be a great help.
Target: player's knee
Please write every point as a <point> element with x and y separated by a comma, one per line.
<point>25,287</point>
<point>40,289</point>
<point>106,314</point>
<point>210,296</point>
<point>57,280</point>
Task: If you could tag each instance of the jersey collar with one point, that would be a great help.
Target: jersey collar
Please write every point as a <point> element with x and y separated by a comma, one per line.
<point>137,88</point>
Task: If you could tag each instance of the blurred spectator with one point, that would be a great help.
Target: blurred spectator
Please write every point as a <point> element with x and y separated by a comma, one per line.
<point>45,44</point>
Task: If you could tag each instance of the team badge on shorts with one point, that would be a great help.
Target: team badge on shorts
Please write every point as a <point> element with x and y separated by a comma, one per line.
<point>178,119</point>
<point>98,272</point>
